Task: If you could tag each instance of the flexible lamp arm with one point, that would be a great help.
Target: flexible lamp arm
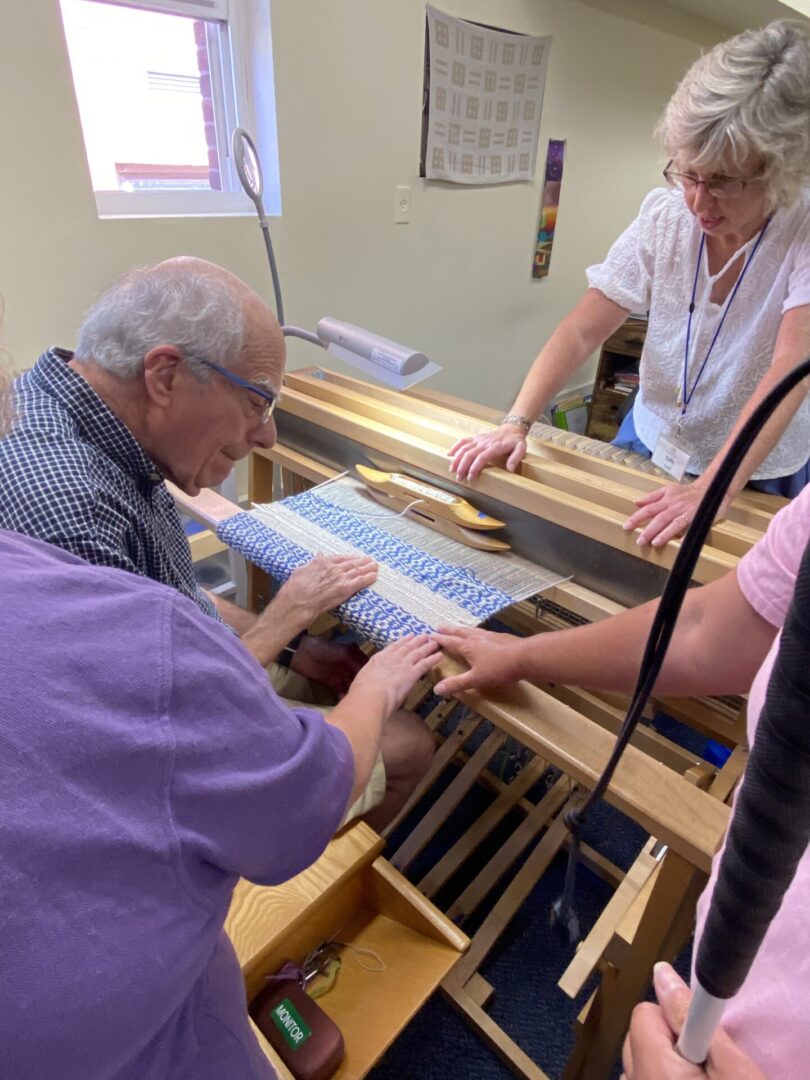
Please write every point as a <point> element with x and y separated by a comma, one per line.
<point>248,166</point>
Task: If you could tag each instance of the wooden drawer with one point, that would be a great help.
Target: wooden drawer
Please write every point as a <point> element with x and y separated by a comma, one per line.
<point>629,338</point>
<point>603,415</point>
<point>354,896</point>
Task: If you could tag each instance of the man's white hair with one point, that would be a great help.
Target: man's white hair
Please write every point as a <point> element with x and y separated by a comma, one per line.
<point>169,304</point>
<point>748,97</point>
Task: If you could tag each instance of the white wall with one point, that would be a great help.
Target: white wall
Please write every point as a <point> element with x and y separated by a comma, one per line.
<point>455,282</point>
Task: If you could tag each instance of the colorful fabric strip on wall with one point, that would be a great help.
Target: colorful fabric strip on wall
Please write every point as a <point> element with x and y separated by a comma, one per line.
<point>548,208</point>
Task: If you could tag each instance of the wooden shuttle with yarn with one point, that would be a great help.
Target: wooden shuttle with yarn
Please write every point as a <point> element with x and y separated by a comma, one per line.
<point>448,514</point>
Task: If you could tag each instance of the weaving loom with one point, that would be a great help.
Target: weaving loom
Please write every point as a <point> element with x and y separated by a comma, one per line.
<point>563,508</point>
<point>425,580</point>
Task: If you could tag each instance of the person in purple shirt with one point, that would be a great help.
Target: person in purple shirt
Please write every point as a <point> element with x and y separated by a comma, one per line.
<point>147,765</point>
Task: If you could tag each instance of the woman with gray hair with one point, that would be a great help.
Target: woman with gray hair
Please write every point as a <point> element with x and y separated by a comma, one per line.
<point>720,259</point>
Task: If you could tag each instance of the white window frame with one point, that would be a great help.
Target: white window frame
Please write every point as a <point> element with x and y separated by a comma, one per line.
<point>239,45</point>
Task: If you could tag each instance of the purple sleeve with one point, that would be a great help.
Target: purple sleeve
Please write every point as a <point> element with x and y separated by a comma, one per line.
<point>257,789</point>
<point>767,573</point>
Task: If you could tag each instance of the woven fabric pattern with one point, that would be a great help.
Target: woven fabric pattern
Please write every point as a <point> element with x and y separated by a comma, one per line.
<point>416,589</point>
<point>376,617</point>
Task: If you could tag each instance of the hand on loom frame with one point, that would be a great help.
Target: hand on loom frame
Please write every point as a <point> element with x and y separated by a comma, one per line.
<point>391,674</point>
<point>494,659</point>
<point>311,590</point>
<point>471,454</point>
<point>649,1050</point>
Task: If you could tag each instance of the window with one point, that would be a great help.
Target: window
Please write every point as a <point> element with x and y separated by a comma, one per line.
<point>160,85</point>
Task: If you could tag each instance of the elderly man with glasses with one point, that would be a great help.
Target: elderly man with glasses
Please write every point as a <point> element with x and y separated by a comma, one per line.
<point>175,376</point>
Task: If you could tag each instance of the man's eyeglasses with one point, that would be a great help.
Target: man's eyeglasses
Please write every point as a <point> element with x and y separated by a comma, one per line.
<point>269,399</point>
<point>720,187</point>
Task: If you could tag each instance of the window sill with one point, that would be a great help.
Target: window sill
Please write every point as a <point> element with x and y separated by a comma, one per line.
<point>112,205</point>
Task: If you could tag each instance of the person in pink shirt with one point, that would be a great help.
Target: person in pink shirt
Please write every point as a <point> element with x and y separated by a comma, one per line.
<point>725,642</point>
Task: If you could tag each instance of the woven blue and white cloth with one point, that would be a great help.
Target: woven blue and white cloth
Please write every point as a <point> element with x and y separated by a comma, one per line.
<point>424,580</point>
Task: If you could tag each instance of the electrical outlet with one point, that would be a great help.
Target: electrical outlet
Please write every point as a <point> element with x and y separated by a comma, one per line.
<point>402,205</point>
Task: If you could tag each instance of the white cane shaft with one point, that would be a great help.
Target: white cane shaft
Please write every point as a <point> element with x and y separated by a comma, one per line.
<point>704,1015</point>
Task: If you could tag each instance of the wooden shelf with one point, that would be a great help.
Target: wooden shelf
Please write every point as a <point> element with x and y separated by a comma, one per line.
<point>621,351</point>
<point>353,896</point>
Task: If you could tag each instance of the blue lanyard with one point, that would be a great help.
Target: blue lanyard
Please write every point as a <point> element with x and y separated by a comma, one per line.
<point>687,396</point>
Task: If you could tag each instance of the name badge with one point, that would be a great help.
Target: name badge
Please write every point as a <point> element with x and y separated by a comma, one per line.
<point>672,454</point>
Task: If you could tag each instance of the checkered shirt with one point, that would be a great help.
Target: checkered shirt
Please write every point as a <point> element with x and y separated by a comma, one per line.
<point>72,474</point>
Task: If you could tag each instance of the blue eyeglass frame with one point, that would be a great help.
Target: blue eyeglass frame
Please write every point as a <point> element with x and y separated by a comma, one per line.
<point>261,391</point>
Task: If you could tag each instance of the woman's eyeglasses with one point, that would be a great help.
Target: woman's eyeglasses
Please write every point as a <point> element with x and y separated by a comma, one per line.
<point>269,399</point>
<point>720,187</point>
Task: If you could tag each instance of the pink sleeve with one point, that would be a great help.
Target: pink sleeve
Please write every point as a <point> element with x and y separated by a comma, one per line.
<point>767,573</point>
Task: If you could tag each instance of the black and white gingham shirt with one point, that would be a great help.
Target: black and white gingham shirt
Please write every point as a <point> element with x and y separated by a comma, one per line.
<point>72,474</point>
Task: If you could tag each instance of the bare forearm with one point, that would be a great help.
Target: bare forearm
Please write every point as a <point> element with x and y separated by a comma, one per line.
<point>602,656</point>
<point>273,630</point>
<point>579,334</point>
<point>312,589</point>
<point>235,616</point>
<point>263,636</point>
<point>360,717</point>
<point>700,660</point>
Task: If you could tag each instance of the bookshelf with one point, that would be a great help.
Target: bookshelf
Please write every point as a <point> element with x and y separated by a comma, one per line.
<point>616,378</point>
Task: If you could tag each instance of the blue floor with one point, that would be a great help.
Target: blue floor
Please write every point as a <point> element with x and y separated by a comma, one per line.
<point>529,958</point>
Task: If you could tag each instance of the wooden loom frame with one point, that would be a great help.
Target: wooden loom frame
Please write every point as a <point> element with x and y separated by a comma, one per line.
<point>658,784</point>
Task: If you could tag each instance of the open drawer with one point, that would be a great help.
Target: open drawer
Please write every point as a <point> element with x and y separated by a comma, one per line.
<point>352,895</point>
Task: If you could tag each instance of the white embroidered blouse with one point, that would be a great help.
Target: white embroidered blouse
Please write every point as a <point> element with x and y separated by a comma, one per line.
<point>651,267</point>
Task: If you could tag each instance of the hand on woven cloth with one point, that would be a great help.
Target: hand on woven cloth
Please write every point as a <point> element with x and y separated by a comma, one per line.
<point>667,512</point>
<point>649,1049</point>
<point>392,673</point>
<point>493,659</point>
<point>469,455</point>
<point>321,585</point>
<point>329,663</point>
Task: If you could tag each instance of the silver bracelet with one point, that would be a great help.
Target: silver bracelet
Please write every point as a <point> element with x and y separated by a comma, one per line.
<point>521,421</point>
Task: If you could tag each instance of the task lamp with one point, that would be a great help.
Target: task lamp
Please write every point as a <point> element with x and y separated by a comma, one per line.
<point>391,363</point>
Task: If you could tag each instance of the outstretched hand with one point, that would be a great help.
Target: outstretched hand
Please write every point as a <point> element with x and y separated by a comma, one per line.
<point>493,659</point>
<point>469,455</point>
<point>392,673</point>
<point>649,1050</point>
<point>667,512</point>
